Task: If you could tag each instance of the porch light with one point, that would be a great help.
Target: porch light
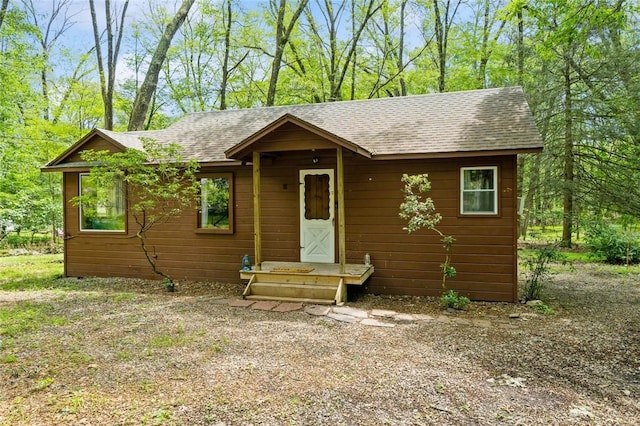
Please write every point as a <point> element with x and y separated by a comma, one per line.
<point>246,263</point>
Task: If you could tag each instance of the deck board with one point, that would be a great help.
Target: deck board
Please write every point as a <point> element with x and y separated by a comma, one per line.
<point>355,274</point>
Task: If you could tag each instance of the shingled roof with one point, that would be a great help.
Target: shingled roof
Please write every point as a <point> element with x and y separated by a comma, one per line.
<point>478,122</point>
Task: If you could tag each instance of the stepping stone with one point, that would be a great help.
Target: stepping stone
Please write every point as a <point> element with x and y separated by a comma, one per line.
<point>481,323</point>
<point>241,303</point>
<point>264,305</point>
<point>442,318</point>
<point>382,313</point>
<point>376,323</point>
<point>404,318</point>
<point>342,318</point>
<point>423,317</point>
<point>288,307</point>
<point>346,310</point>
<point>461,321</point>
<point>317,310</point>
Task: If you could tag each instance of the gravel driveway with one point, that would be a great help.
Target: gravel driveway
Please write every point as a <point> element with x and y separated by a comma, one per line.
<point>125,352</point>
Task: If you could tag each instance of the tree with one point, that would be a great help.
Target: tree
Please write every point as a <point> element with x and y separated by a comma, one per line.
<point>47,31</point>
<point>108,81</point>
<point>420,212</point>
<point>160,185</point>
<point>283,33</point>
<point>337,55</point>
<point>148,88</point>
<point>207,55</point>
<point>444,14</point>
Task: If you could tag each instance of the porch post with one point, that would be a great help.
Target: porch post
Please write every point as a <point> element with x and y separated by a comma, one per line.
<point>256,211</point>
<point>342,245</point>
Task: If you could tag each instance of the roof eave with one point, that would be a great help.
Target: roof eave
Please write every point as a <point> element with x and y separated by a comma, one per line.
<point>457,154</point>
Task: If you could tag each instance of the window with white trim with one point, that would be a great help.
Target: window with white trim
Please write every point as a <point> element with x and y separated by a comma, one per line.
<point>479,190</point>
<point>102,208</point>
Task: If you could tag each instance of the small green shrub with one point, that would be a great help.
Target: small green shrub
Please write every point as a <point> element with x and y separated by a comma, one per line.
<point>616,245</point>
<point>538,270</point>
<point>543,309</point>
<point>451,299</point>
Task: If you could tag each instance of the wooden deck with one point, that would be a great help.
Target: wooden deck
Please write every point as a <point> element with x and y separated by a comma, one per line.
<point>303,282</point>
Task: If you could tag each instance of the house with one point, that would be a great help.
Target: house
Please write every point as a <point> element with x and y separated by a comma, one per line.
<point>310,191</point>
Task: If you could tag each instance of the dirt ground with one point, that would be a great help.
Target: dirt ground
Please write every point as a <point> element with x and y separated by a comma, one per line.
<point>116,352</point>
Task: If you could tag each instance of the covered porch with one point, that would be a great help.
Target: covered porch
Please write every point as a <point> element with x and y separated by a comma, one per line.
<point>320,273</point>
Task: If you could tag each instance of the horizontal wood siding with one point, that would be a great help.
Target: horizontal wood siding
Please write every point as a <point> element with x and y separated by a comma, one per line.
<point>96,144</point>
<point>181,252</point>
<point>483,253</point>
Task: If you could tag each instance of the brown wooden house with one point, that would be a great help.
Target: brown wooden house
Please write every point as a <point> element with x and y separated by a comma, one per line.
<point>308,191</point>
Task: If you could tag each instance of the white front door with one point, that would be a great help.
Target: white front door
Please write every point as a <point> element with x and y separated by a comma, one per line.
<point>317,233</point>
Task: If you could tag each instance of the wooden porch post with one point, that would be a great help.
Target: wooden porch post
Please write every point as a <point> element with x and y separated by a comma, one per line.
<point>256,211</point>
<point>342,250</point>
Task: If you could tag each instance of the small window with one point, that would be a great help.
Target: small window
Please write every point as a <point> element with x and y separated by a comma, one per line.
<point>216,203</point>
<point>479,190</point>
<point>316,197</point>
<point>104,207</point>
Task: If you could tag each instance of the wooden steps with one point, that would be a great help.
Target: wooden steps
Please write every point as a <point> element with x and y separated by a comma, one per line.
<point>295,287</point>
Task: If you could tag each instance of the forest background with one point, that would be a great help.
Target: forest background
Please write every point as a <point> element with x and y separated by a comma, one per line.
<point>68,66</point>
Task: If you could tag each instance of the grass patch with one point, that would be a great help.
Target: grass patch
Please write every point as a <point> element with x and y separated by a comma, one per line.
<point>27,317</point>
<point>8,359</point>
<point>34,272</point>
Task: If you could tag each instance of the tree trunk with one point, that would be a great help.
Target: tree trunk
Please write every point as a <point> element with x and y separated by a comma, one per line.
<point>282,38</point>
<point>225,61</point>
<point>150,83</point>
<point>108,78</point>
<point>442,52</point>
<point>3,10</point>
<point>568,177</point>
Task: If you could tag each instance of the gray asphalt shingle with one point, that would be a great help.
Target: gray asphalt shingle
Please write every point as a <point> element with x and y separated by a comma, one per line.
<point>455,122</point>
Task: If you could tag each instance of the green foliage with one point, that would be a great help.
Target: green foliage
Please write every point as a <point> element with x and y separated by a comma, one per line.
<point>31,272</point>
<point>160,185</point>
<point>615,244</point>
<point>25,317</point>
<point>420,212</point>
<point>538,270</point>
<point>451,299</point>
<point>543,309</point>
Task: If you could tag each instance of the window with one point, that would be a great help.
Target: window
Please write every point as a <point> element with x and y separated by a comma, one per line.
<point>103,209</point>
<point>316,197</point>
<point>479,190</point>
<point>216,203</point>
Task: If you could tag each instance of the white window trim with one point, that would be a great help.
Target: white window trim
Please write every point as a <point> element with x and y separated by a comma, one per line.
<point>495,190</point>
<point>81,228</point>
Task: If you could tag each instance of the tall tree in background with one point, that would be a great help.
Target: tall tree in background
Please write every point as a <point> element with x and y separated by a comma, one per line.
<point>336,55</point>
<point>206,56</point>
<point>444,13</point>
<point>387,66</point>
<point>114,38</point>
<point>48,29</point>
<point>3,11</point>
<point>148,88</point>
<point>283,33</point>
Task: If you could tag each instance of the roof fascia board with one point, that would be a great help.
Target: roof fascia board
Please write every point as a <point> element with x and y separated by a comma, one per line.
<point>289,118</point>
<point>459,154</point>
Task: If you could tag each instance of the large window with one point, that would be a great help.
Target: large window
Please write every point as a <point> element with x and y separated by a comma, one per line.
<point>216,203</point>
<point>102,208</point>
<point>479,190</point>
